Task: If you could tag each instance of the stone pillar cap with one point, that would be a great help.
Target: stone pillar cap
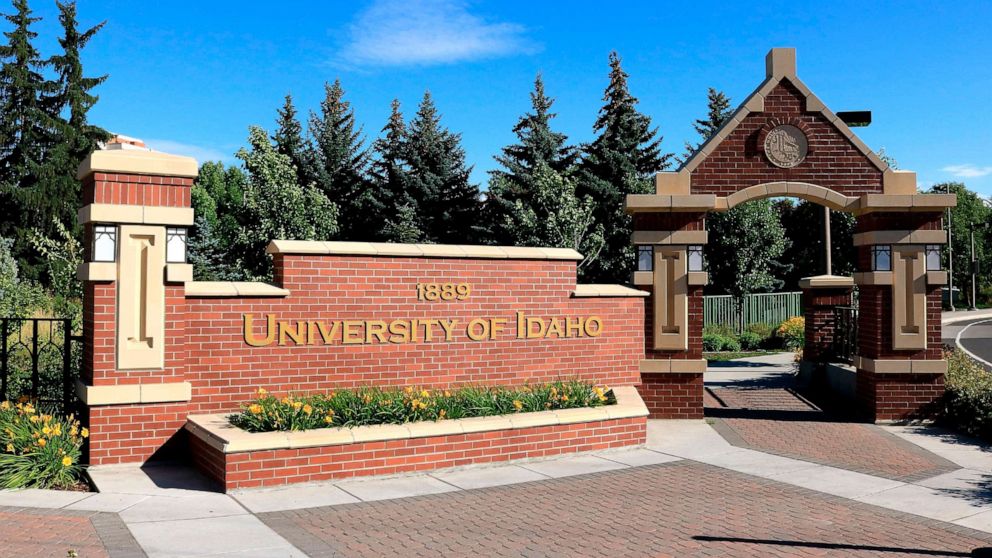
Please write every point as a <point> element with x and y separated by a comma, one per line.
<point>121,160</point>
<point>826,282</point>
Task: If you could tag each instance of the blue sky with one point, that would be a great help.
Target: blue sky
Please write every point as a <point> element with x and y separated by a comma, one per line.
<point>191,77</point>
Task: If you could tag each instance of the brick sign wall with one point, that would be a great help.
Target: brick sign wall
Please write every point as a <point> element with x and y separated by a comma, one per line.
<point>595,338</point>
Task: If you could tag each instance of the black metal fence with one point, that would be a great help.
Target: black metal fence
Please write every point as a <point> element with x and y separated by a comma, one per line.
<point>40,359</point>
<point>845,333</point>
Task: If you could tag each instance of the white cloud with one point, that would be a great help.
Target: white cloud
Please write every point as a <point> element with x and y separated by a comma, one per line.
<point>967,171</point>
<point>426,32</point>
<point>201,154</point>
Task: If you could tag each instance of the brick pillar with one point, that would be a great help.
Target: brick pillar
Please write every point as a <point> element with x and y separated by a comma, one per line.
<point>672,372</point>
<point>132,381</point>
<point>899,362</point>
<point>820,296</point>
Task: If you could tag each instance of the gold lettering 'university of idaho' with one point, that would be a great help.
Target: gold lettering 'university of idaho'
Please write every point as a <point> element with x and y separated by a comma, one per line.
<point>414,330</point>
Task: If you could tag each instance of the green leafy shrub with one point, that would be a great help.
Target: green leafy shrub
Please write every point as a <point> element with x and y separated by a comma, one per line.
<point>368,406</point>
<point>769,341</point>
<point>715,342</point>
<point>751,341</point>
<point>720,329</point>
<point>967,402</point>
<point>793,333</point>
<point>38,450</point>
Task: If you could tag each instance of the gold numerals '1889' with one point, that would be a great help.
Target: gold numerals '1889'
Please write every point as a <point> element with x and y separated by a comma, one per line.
<point>433,292</point>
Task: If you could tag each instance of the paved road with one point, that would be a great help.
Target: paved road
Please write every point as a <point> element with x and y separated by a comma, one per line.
<point>975,336</point>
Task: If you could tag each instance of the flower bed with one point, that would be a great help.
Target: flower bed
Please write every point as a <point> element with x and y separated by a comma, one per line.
<point>372,406</point>
<point>238,458</point>
<point>37,449</point>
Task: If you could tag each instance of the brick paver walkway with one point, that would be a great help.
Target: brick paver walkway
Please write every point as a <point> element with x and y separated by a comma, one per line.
<point>30,533</point>
<point>780,422</point>
<point>679,509</point>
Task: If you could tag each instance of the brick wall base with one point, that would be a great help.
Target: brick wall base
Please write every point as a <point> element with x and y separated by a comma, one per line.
<point>287,466</point>
<point>672,396</point>
<point>898,397</point>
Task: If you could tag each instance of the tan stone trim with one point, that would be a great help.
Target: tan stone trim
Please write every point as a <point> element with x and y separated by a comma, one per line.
<point>673,366</point>
<point>670,300</point>
<point>900,237</point>
<point>826,282</point>
<point>419,250</point>
<point>779,66</point>
<point>909,297</point>
<point>134,214</point>
<point>803,190</point>
<point>670,237</point>
<point>914,202</point>
<point>178,273</point>
<point>217,432</point>
<point>642,278</point>
<point>125,161</point>
<point>898,182</point>
<point>936,278</point>
<point>873,277</point>
<point>652,203</point>
<point>233,289</point>
<point>668,183</point>
<point>900,366</point>
<point>591,291</point>
<point>134,393</point>
<point>698,278</point>
<point>97,271</point>
<point>141,298</point>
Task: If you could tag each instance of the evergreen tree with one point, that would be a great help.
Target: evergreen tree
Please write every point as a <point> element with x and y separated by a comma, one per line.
<point>537,145</point>
<point>22,132</point>
<point>289,141</point>
<point>621,160</point>
<point>718,110</point>
<point>438,180</point>
<point>389,179</point>
<point>341,163</point>
<point>276,206</point>
<point>217,198</point>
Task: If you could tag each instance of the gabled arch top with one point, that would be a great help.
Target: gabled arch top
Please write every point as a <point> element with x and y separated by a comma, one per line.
<point>783,135</point>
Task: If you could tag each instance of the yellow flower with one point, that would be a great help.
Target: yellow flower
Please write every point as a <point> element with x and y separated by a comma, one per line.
<point>261,391</point>
<point>447,393</point>
<point>255,409</point>
<point>5,406</point>
<point>328,419</point>
<point>85,433</point>
<point>425,394</point>
<point>10,448</point>
<point>46,431</point>
<point>564,398</point>
<point>307,409</point>
<point>297,405</point>
<point>66,461</point>
<point>35,418</point>
<point>57,429</point>
<point>408,389</point>
<point>517,404</point>
<point>42,442</point>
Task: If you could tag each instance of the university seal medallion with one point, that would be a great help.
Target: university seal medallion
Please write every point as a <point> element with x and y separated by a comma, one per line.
<point>786,146</point>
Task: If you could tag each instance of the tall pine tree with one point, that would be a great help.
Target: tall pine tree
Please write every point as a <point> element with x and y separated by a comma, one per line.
<point>621,160</point>
<point>718,110</point>
<point>22,131</point>
<point>390,181</point>
<point>289,140</point>
<point>70,136</point>
<point>341,163</point>
<point>438,180</point>
<point>538,146</point>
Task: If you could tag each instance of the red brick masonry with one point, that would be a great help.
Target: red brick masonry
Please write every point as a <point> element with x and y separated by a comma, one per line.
<point>285,466</point>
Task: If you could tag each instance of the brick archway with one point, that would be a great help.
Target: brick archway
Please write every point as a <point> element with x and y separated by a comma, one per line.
<point>783,141</point>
